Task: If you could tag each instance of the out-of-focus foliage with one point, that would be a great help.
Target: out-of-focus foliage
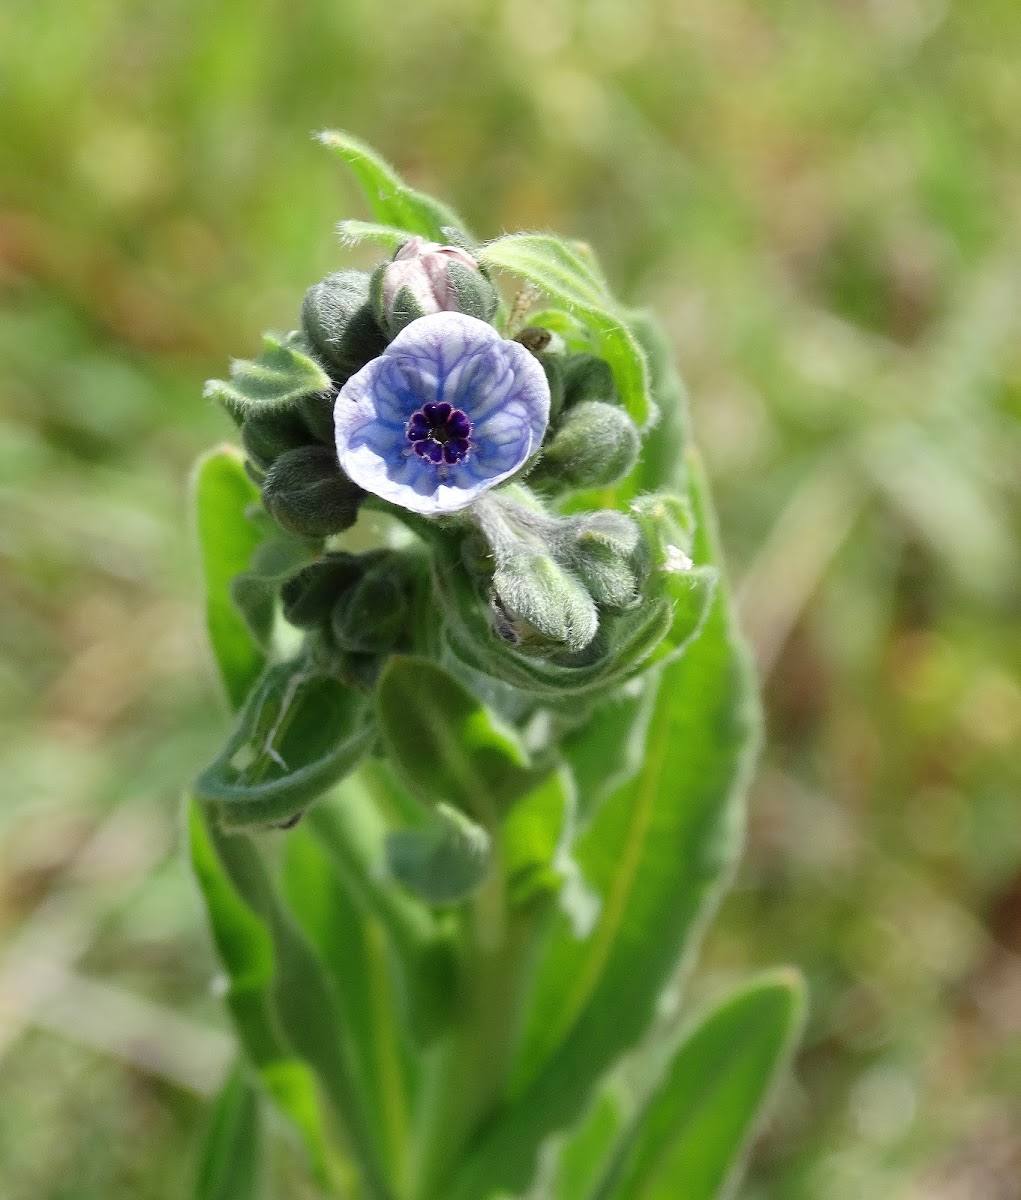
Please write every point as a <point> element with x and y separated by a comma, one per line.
<point>822,201</point>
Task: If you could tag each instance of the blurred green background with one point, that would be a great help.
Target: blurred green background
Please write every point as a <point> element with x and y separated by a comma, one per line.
<point>822,200</point>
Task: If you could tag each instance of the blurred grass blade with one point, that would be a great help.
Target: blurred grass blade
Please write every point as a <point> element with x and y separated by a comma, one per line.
<point>298,734</point>
<point>689,1138</point>
<point>566,277</point>
<point>658,854</point>
<point>585,1154</point>
<point>227,541</point>
<point>230,1163</point>
<point>246,951</point>
<point>390,199</point>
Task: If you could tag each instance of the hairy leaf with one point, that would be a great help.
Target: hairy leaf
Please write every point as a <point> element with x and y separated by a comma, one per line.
<point>689,1137</point>
<point>390,199</point>
<point>227,541</point>
<point>281,376</point>
<point>657,853</point>
<point>569,279</point>
<point>445,745</point>
<point>298,734</point>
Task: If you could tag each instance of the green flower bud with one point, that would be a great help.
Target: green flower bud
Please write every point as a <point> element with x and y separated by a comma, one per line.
<point>308,597</point>
<point>426,277</point>
<point>596,445</point>
<point>337,321</point>
<point>307,494</point>
<point>537,604</point>
<point>588,377</point>
<point>603,554</point>
<point>267,435</point>
<point>370,616</point>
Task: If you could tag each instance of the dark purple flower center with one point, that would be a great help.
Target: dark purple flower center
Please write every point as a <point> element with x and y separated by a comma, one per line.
<point>440,433</point>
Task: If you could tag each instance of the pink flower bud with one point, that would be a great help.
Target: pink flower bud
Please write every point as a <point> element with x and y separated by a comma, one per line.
<point>424,269</point>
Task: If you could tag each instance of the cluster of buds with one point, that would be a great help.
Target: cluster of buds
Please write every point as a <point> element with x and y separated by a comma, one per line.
<point>476,441</point>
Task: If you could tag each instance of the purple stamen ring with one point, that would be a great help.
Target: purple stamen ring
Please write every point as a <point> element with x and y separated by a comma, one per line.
<point>440,433</point>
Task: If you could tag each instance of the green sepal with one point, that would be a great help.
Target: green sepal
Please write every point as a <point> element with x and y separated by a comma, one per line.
<point>282,374</point>
<point>476,296</point>
<point>442,862</point>
<point>297,735</point>
<point>539,605</point>
<point>307,494</point>
<point>267,435</point>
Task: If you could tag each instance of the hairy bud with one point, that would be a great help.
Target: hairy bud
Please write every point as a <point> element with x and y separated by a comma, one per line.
<point>307,494</point>
<point>337,320</point>
<point>596,445</point>
<point>426,277</point>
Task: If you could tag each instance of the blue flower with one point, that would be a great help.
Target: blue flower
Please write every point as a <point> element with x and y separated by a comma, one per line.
<point>448,410</point>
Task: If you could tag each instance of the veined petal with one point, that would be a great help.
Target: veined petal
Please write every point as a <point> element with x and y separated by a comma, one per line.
<point>448,410</point>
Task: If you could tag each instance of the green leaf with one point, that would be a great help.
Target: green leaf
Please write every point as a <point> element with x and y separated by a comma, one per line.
<point>297,735</point>
<point>586,1152</point>
<point>231,1160</point>
<point>354,947</point>
<point>608,749</point>
<point>536,838</point>
<point>390,199</point>
<point>570,280</point>
<point>304,1001</point>
<point>245,948</point>
<point>443,861</point>
<point>281,376</point>
<point>353,233</point>
<point>689,1138</point>
<point>657,853</point>
<point>351,829</point>
<point>227,540</point>
<point>661,467</point>
<point>445,745</point>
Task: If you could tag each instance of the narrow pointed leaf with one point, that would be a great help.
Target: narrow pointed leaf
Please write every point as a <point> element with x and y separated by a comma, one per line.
<point>353,233</point>
<point>227,541</point>
<point>246,951</point>
<point>231,1159</point>
<point>391,201</point>
<point>353,946</point>
<point>282,375</point>
<point>690,1136</point>
<point>657,853</point>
